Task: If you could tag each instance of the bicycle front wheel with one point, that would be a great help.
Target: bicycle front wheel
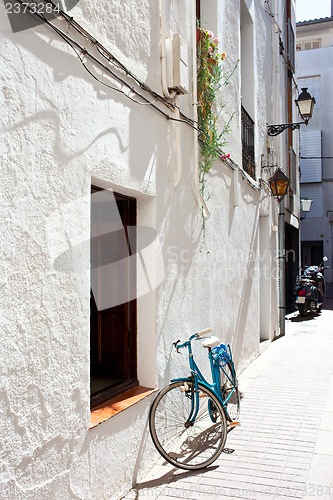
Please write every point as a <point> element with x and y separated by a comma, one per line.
<point>183,441</point>
<point>230,392</point>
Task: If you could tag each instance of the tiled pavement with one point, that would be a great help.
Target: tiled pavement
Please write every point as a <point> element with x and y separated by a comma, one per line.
<point>284,447</point>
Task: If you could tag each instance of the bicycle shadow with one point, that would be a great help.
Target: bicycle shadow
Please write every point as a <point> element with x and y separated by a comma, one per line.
<point>170,477</point>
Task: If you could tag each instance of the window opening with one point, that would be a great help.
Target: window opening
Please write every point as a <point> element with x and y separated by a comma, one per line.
<point>309,45</point>
<point>112,329</point>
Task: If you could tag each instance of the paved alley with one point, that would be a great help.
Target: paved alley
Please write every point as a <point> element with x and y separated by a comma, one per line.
<point>284,447</point>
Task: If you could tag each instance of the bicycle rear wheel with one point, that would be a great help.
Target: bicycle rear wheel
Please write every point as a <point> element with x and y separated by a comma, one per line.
<point>230,392</point>
<point>182,443</point>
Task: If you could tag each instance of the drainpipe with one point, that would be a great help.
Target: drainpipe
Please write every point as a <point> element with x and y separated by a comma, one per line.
<point>281,215</point>
<point>178,145</point>
<point>282,267</point>
<point>167,93</point>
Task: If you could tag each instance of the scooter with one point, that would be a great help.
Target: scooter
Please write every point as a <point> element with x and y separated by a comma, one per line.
<point>310,289</point>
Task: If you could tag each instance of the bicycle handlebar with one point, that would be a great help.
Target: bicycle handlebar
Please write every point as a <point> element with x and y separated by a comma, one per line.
<point>203,332</point>
<point>197,335</point>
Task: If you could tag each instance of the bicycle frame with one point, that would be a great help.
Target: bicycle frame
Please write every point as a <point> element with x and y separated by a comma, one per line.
<point>198,377</point>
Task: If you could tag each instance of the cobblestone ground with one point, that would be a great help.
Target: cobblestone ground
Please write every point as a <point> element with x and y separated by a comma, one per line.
<point>284,447</point>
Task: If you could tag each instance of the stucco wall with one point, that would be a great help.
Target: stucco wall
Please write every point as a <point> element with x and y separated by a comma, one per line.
<point>61,131</point>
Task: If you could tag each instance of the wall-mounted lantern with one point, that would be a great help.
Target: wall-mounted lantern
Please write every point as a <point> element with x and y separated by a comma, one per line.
<point>306,205</point>
<point>305,104</point>
<point>279,184</point>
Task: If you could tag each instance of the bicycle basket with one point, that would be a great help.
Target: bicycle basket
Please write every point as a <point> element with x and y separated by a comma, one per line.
<point>221,355</point>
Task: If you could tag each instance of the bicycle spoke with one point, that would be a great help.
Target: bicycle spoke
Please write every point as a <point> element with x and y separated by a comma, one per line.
<point>188,444</point>
<point>229,391</point>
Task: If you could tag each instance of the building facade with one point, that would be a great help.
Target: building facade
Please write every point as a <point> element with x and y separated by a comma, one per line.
<point>110,250</point>
<point>314,70</point>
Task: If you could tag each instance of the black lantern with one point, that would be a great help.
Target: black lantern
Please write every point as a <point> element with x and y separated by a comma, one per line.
<point>279,183</point>
<point>305,104</point>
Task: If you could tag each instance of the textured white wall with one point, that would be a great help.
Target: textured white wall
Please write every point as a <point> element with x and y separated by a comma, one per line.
<point>61,129</point>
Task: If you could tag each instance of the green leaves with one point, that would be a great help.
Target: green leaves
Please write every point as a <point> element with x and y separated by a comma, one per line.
<point>210,79</point>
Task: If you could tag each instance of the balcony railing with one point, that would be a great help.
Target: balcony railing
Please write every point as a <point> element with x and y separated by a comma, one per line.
<point>248,144</point>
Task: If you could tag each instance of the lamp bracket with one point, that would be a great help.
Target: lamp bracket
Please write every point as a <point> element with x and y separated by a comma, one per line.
<point>273,130</point>
<point>266,166</point>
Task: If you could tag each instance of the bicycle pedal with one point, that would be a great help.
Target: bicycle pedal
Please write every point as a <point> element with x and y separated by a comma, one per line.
<point>233,424</point>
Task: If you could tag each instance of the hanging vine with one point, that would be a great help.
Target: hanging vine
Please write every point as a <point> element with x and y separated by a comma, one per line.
<point>211,77</point>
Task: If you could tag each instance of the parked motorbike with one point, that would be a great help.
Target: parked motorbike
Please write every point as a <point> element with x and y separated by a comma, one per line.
<point>310,289</point>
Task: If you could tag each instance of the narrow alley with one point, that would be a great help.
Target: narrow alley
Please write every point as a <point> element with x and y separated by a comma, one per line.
<point>284,447</point>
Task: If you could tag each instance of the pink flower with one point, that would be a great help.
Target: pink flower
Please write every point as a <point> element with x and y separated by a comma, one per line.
<point>216,40</point>
<point>223,56</point>
<point>210,49</point>
<point>210,34</point>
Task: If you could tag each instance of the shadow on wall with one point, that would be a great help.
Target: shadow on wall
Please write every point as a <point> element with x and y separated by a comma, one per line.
<point>181,222</point>
<point>144,134</point>
<point>242,316</point>
<point>186,237</point>
<point>248,199</point>
<point>58,150</point>
<point>104,450</point>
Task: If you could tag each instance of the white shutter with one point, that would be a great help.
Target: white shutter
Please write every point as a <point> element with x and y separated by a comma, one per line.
<point>313,192</point>
<point>310,147</point>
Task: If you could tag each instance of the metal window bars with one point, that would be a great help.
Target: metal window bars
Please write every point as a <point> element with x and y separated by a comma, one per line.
<point>248,162</point>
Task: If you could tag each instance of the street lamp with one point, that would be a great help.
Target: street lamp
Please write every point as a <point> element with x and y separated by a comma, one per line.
<point>279,184</point>
<point>305,205</point>
<point>305,105</point>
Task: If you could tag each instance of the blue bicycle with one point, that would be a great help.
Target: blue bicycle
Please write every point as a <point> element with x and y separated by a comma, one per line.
<point>188,418</point>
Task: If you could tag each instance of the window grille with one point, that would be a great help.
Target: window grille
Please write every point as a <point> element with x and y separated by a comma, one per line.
<point>248,144</point>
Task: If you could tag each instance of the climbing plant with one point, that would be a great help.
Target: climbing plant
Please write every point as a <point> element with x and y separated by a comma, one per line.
<point>211,77</point>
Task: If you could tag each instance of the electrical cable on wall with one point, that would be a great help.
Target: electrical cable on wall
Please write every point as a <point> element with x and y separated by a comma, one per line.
<point>74,45</point>
<point>106,54</point>
<point>78,50</point>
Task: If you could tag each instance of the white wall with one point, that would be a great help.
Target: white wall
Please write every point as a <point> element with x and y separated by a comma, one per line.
<point>61,131</point>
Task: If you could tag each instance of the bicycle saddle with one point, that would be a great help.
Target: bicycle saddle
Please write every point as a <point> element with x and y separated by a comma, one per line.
<point>210,342</point>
